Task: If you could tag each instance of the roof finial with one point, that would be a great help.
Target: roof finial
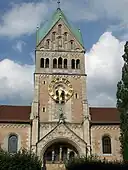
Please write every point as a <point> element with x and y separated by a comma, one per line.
<point>58,4</point>
<point>37,27</point>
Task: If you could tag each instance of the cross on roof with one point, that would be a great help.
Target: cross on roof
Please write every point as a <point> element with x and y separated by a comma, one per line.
<point>58,3</point>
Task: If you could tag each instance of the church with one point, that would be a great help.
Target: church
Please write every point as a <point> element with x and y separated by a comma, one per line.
<point>60,124</point>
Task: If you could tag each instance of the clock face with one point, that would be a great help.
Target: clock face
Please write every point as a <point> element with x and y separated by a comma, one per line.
<point>60,90</point>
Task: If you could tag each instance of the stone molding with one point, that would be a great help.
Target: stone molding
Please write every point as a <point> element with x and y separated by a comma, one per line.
<point>14,125</point>
<point>103,127</point>
<point>61,132</point>
<point>47,127</point>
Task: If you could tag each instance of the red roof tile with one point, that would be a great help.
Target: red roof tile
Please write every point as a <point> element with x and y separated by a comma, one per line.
<point>22,114</point>
<point>14,113</point>
<point>104,115</point>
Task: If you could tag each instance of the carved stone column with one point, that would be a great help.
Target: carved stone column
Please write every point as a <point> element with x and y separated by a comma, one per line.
<point>68,153</point>
<point>53,155</point>
<point>60,154</point>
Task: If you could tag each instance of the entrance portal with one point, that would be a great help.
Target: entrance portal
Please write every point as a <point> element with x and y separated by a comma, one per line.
<point>59,152</point>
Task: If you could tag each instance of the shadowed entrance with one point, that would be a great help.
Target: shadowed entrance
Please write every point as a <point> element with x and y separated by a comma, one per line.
<point>59,152</point>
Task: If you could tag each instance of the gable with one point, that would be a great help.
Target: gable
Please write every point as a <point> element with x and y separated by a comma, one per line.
<point>61,131</point>
<point>51,26</point>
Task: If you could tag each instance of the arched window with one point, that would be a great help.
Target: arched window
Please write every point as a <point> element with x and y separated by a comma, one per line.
<point>73,64</point>
<point>65,46</point>
<point>12,144</point>
<point>65,36</point>
<point>53,36</point>
<point>54,63</point>
<point>59,28</point>
<point>44,109</point>
<point>65,63</point>
<point>71,44</point>
<point>48,43</point>
<point>42,62</point>
<point>59,41</point>
<point>57,95</point>
<point>77,64</point>
<point>47,63</point>
<point>62,97</point>
<point>60,62</point>
<point>76,96</point>
<point>106,145</point>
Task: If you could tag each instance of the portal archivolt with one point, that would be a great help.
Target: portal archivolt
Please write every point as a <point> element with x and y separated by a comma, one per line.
<point>59,152</point>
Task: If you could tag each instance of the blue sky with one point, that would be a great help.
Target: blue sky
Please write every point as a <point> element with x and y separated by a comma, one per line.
<point>103,24</point>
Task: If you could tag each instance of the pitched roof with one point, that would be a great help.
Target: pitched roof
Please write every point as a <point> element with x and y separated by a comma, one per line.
<point>104,115</point>
<point>15,113</point>
<point>22,114</point>
<point>43,31</point>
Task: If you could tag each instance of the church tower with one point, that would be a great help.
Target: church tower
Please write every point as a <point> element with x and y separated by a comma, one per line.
<point>60,114</point>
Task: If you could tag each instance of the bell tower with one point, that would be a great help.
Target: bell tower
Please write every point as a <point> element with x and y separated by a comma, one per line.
<point>59,79</point>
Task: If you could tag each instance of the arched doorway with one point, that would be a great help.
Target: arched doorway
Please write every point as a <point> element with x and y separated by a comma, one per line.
<point>58,152</point>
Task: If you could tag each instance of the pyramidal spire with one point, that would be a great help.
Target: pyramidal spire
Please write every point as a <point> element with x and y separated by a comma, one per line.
<point>57,15</point>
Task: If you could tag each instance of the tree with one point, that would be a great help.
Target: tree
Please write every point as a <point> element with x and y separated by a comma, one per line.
<point>122,104</point>
<point>23,160</point>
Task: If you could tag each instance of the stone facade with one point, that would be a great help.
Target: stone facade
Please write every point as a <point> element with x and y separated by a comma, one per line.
<point>74,129</point>
<point>97,132</point>
<point>21,130</point>
<point>52,122</point>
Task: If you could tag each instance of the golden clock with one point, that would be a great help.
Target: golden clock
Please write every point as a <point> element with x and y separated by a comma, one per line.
<point>60,89</point>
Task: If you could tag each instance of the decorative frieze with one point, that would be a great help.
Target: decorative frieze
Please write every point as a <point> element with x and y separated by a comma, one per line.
<point>60,54</point>
<point>14,126</point>
<point>47,127</point>
<point>107,127</point>
<point>62,132</point>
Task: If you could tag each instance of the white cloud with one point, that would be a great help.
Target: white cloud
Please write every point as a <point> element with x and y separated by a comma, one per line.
<point>94,10</point>
<point>16,82</point>
<point>114,12</point>
<point>103,65</point>
<point>19,46</point>
<point>22,19</point>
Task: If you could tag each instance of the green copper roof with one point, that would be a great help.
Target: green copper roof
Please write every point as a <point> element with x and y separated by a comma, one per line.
<point>43,31</point>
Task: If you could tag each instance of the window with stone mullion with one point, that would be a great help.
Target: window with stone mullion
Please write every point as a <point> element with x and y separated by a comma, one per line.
<point>106,142</point>
<point>12,144</point>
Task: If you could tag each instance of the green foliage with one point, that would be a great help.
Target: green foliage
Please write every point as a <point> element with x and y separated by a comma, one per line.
<point>23,160</point>
<point>69,164</point>
<point>122,104</point>
<point>93,163</point>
